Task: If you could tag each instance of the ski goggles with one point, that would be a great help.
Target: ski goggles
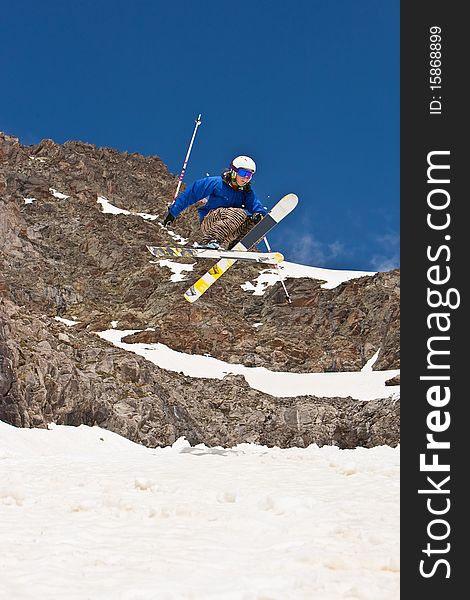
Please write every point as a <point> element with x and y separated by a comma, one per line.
<point>244,172</point>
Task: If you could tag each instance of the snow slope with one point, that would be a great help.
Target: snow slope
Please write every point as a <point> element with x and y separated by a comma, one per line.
<point>86,514</point>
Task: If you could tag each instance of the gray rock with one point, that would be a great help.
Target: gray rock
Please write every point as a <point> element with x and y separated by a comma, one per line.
<point>67,258</point>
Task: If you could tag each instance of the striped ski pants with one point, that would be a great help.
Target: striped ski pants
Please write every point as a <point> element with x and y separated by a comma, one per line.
<point>226,225</point>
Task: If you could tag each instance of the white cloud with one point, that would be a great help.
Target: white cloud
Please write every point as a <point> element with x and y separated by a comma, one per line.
<point>390,258</point>
<point>385,263</point>
<point>306,249</point>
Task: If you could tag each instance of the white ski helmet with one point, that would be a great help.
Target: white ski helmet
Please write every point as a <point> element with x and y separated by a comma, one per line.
<point>243,162</point>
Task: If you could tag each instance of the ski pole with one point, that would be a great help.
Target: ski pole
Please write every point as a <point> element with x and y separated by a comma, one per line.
<point>281,279</point>
<point>198,122</point>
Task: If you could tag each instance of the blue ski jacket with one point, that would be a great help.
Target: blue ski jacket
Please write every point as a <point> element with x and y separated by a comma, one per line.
<point>219,194</point>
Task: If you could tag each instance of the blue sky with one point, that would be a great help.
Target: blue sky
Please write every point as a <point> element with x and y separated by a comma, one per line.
<point>308,88</point>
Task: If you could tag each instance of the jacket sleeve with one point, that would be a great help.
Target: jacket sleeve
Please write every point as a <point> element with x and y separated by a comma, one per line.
<point>253,204</point>
<point>195,192</point>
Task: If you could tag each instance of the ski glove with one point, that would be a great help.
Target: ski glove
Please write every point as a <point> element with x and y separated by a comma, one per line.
<point>168,219</point>
<point>256,217</point>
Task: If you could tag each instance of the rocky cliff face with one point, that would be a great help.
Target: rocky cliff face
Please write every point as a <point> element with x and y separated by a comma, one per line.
<point>65,257</point>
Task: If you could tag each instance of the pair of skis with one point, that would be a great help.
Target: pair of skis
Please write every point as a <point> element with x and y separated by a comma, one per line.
<point>239,252</point>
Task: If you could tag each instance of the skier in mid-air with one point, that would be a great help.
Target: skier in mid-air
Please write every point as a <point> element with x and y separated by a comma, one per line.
<point>231,207</point>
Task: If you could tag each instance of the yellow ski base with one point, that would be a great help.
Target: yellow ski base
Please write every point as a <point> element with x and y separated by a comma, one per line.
<point>202,284</point>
